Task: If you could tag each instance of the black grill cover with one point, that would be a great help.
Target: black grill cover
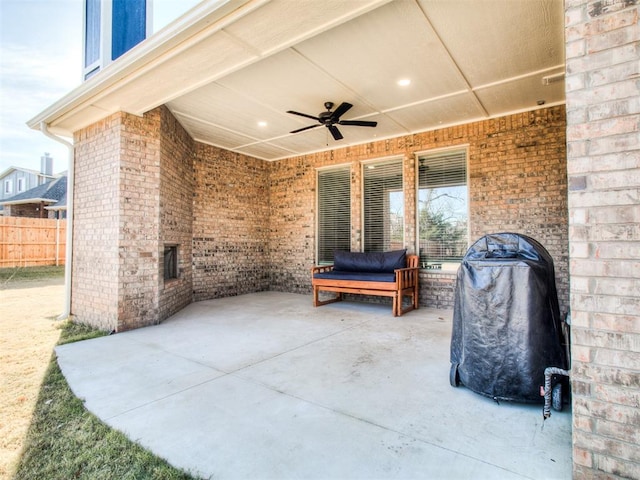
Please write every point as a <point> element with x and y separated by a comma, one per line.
<point>506,319</point>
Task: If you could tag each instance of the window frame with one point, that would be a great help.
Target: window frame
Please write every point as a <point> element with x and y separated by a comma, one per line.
<point>101,29</point>
<point>94,22</point>
<point>434,152</point>
<point>347,244</point>
<point>366,166</point>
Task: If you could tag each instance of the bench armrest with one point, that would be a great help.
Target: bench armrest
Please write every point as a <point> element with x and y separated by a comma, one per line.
<point>416,269</point>
<point>321,269</point>
<point>407,277</point>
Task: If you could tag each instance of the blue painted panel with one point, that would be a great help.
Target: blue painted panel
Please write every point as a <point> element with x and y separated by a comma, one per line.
<point>129,25</point>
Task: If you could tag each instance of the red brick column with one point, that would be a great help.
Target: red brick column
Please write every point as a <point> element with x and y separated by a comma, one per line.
<point>94,286</point>
<point>603,119</point>
<point>133,196</point>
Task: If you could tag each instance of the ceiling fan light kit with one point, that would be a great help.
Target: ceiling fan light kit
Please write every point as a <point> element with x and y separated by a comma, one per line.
<point>329,119</point>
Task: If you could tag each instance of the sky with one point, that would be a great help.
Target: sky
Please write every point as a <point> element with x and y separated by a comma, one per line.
<point>40,62</point>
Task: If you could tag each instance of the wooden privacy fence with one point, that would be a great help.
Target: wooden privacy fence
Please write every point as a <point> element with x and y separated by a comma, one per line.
<point>27,242</point>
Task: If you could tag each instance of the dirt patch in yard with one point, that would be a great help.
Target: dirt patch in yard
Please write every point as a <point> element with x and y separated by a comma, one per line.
<point>28,332</point>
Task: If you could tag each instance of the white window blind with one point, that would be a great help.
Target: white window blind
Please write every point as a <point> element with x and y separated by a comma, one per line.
<point>442,208</point>
<point>334,213</point>
<point>383,200</point>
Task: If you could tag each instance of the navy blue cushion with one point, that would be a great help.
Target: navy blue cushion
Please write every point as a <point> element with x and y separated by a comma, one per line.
<point>366,276</point>
<point>374,262</point>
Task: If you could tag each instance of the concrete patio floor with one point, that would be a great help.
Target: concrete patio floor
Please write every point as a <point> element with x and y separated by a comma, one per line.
<point>264,386</point>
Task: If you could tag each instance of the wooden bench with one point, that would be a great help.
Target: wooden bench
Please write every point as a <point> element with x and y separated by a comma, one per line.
<point>378,277</point>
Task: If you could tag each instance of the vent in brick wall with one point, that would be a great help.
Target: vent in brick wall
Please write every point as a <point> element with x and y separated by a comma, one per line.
<point>170,262</point>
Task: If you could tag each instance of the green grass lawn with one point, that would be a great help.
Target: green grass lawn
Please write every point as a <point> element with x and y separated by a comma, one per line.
<point>30,273</point>
<point>65,441</point>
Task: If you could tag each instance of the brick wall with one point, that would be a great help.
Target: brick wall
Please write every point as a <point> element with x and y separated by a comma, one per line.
<point>230,224</point>
<point>517,183</point>
<point>139,220</point>
<point>437,289</point>
<point>252,223</point>
<point>29,210</point>
<point>176,213</point>
<point>603,119</point>
<point>141,183</point>
<point>292,223</point>
<point>95,284</point>
<point>116,278</point>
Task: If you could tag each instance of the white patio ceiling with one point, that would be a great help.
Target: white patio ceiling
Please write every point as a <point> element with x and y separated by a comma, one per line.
<point>226,66</point>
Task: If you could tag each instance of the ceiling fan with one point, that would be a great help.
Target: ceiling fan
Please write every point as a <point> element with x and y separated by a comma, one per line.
<point>329,119</point>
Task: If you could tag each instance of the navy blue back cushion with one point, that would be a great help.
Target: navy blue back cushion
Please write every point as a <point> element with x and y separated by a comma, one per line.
<point>375,262</point>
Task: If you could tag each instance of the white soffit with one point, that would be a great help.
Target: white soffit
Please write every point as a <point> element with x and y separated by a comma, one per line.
<point>287,81</point>
<point>450,110</point>
<point>179,74</point>
<point>264,150</point>
<point>467,60</point>
<point>186,55</point>
<point>213,133</point>
<point>494,40</point>
<point>371,53</point>
<point>510,96</point>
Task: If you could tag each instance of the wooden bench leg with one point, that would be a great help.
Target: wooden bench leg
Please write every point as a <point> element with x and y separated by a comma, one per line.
<point>397,296</point>
<point>398,309</point>
<point>316,298</point>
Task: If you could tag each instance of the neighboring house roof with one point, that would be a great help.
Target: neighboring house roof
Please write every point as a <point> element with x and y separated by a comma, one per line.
<point>52,192</point>
<point>60,204</point>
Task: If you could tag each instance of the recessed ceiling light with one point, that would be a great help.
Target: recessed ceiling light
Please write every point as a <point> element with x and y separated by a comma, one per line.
<point>262,123</point>
<point>404,82</point>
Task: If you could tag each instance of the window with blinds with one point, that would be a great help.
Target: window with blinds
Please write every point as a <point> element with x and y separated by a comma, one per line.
<point>442,209</point>
<point>334,213</point>
<point>383,206</point>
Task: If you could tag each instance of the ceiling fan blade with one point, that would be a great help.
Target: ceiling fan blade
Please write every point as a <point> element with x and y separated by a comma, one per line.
<point>338,112</point>
<point>358,123</point>
<point>304,115</point>
<point>335,132</point>
<point>304,128</point>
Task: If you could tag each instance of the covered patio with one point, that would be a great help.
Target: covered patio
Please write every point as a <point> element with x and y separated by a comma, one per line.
<point>194,147</point>
<point>264,385</point>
